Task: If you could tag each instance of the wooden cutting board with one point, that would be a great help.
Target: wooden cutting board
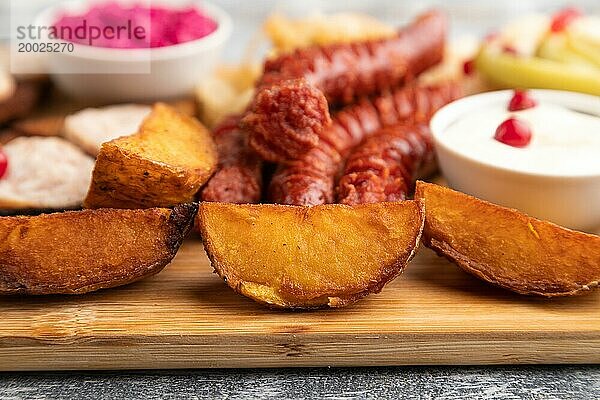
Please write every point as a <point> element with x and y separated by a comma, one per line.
<point>186,317</point>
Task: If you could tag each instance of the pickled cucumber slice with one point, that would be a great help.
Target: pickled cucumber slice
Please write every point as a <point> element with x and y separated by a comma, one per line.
<point>508,70</point>
<point>556,47</point>
<point>584,49</point>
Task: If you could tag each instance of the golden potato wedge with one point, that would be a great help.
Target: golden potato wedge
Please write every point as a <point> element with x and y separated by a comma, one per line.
<point>187,106</point>
<point>310,257</point>
<point>164,164</point>
<point>507,248</point>
<point>81,251</point>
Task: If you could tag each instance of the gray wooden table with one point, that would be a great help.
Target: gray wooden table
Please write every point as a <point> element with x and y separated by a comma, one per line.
<point>528,382</point>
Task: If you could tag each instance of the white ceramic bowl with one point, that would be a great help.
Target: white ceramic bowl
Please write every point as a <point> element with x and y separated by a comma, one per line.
<point>570,201</point>
<point>170,71</point>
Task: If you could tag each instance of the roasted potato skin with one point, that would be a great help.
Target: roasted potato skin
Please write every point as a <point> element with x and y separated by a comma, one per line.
<point>126,176</point>
<point>507,248</point>
<point>322,289</point>
<point>136,182</point>
<point>78,252</point>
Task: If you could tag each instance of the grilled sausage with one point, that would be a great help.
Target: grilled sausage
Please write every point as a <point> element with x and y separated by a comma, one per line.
<point>286,120</point>
<point>239,175</point>
<point>289,113</point>
<point>347,71</point>
<point>349,128</point>
<point>385,166</point>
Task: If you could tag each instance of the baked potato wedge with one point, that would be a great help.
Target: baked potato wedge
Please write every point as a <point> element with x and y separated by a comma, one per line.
<point>507,248</point>
<point>81,251</point>
<point>310,257</point>
<point>162,165</point>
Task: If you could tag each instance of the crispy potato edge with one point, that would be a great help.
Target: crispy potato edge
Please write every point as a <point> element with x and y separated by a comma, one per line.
<point>179,224</point>
<point>387,273</point>
<point>485,272</point>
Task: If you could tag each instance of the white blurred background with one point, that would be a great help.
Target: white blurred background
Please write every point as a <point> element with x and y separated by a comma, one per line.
<point>467,16</point>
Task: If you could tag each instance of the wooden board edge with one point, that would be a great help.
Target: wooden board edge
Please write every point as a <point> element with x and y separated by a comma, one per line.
<point>287,350</point>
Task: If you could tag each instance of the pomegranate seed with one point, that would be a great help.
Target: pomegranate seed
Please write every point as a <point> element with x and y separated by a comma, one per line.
<point>513,132</point>
<point>521,100</point>
<point>563,18</point>
<point>3,163</point>
<point>469,67</point>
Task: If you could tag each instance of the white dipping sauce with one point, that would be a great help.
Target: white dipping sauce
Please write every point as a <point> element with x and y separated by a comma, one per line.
<point>564,142</point>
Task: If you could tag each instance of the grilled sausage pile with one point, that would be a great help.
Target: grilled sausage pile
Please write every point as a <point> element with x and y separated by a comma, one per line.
<point>350,114</point>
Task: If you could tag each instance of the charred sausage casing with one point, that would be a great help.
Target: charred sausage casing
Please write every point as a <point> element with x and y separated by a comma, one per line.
<point>239,174</point>
<point>347,71</point>
<point>385,166</point>
<point>411,104</point>
<point>290,111</point>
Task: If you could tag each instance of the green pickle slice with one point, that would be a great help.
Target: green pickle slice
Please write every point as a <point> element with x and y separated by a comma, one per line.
<point>508,70</point>
<point>585,49</point>
<point>556,47</point>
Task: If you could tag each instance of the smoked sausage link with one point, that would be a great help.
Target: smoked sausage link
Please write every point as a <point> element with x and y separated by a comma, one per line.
<point>384,167</point>
<point>291,108</point>
<point>239,174</point>
<point>286,120</point>
<point>412,104</point>
<point>347,71</point>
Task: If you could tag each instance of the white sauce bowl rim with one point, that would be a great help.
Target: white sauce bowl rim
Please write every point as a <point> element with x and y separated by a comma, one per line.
<point>450,113</point>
